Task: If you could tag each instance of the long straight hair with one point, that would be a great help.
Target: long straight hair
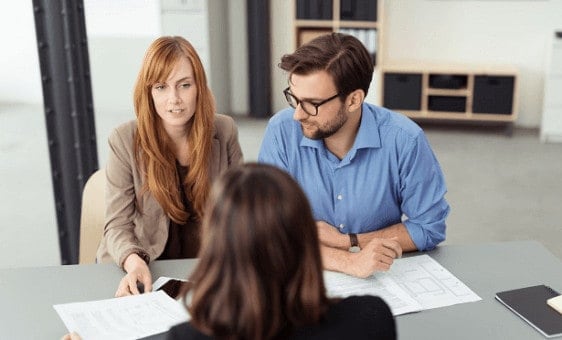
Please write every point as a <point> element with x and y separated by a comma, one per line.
<point>260,272</point>
<point>153,146</point>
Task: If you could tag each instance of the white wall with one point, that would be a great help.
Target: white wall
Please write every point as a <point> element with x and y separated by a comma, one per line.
<point>118,34</point>
<point>238,52</point>
<point>19,62</point>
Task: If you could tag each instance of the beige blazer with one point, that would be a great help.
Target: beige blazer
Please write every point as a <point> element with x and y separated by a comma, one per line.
<point>129,229</point>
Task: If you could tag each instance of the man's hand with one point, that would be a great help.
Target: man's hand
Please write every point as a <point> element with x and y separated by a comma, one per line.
<point>377,255</point>
<point>137,271</point>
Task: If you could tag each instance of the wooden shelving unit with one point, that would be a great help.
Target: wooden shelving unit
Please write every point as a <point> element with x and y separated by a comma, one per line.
<point>361,18</point>
<point>453,92</point>
<point>420,90</point>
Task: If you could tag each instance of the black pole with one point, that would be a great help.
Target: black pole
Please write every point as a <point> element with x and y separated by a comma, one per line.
<point>259,58</point>
<point>67,97</point>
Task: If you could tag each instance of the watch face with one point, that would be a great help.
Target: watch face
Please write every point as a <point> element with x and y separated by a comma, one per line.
<point>354,249</point>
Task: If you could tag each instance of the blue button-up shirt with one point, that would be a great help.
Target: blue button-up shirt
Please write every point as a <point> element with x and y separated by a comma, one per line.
<point>390,175</point>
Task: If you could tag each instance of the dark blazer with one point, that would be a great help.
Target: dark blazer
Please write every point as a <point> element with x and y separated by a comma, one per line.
<point>136,222</point>
<point>356,317</point>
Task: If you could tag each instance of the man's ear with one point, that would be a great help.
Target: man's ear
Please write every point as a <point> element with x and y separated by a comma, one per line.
<point>355,100</point>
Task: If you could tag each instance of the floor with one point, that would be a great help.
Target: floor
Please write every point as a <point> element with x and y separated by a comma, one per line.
<point>500,187</point>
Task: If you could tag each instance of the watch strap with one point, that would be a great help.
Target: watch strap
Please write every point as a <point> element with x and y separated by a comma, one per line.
<point>353,240</point>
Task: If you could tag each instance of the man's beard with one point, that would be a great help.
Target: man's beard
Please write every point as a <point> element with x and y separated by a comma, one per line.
<point>328,128</point>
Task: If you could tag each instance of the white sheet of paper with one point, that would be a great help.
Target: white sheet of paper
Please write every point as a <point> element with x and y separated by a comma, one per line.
<point>129,317</point>
<point>412,284</point>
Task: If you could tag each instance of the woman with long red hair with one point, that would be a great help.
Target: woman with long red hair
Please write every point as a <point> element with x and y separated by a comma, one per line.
<point>161,165</point>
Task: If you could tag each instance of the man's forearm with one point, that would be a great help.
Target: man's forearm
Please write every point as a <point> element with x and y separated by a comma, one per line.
<point>377,255</point>
<point>335,259</point>
<point>397,230</point>
<point>332,238</point>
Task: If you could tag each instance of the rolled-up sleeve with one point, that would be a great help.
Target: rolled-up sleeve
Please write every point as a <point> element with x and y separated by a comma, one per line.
<point>423,192</point>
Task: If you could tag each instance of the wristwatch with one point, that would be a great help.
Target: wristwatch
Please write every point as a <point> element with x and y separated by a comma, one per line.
<point>354,248</point>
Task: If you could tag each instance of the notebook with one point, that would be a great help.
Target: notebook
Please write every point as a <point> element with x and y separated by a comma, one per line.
<point>529,303</point>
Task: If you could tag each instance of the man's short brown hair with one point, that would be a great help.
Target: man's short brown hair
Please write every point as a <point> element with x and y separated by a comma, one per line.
<point>343,56</point>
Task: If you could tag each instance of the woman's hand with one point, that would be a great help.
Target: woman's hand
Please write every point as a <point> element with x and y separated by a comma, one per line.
<point>137,272</point>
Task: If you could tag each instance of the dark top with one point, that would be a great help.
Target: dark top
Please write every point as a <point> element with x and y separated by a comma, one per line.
<point>355,317</point>
<point>183,239</point>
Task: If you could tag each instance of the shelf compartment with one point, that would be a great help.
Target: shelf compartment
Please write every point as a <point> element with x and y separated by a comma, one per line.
<point>402,91</point>
<point>448,81</point>
<point>367,36</point>
<point>314,9</point>
<point>305,35</point>
<point>358,10</point>
<point>456,104</point>
<point>493,94</point>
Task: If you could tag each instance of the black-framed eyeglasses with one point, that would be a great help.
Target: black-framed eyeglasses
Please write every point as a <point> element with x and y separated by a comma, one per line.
<point>308,107</point>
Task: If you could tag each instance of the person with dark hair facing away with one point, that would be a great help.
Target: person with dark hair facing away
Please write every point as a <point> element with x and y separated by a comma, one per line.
<point>259,274</point>
<point>161,165</point>
<point>375,186</point>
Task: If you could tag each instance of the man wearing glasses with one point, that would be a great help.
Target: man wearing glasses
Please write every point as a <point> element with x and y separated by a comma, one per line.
<point>374,184</point>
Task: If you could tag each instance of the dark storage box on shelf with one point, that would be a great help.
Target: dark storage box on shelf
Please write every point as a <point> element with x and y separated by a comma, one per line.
<point>314,9</point>
<point>447,103</point>
<point>358,10</point>
<point>402,91</point>
<point>493,94</point>
<point>448,81</point>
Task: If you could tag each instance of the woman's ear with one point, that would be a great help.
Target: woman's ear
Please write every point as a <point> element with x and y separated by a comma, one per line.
<point>355,100</point>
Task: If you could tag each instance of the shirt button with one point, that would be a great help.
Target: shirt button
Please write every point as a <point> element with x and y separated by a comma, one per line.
<point>340,196</point>
<point>341,226</point>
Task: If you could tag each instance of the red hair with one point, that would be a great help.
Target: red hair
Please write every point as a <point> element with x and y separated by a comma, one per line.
<point>153,146</point>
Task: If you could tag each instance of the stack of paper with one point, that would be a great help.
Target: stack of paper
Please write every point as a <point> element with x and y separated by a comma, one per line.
<point>412,284</point>
<point>129,317</point>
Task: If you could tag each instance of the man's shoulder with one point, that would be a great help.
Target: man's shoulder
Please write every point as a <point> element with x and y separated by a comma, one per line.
<point>282,125</point>
<point>392,121</point>
<point>283,118</point>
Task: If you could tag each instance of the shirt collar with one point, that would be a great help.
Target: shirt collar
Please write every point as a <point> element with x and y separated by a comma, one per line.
<point>367,137</point>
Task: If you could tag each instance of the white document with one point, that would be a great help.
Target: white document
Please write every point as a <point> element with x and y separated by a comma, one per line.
<point>412,284</point>
<point>129,317</point>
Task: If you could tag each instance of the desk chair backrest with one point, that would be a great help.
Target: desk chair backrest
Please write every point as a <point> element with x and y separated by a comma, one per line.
<point>92,218</point>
